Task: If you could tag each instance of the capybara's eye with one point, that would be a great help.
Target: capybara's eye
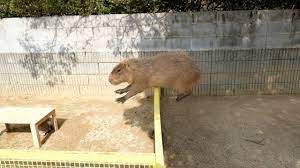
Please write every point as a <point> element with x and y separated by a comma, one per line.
<point>118,70</point>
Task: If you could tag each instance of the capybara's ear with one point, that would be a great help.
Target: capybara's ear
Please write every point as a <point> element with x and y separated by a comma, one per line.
<point>126,65</point>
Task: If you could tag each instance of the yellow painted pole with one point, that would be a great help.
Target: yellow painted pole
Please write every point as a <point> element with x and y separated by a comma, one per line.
<point>159,154</point>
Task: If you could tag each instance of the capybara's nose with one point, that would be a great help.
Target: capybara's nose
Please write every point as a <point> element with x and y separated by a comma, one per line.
<point>110,79</point>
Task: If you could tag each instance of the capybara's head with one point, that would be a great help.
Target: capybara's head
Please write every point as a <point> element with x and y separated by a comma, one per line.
<point>120,73</point>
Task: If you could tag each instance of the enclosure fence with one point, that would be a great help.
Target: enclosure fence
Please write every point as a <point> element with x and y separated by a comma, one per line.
<point>224,72</point>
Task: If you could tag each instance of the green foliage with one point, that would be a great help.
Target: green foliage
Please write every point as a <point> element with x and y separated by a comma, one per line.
<point>24,8</point>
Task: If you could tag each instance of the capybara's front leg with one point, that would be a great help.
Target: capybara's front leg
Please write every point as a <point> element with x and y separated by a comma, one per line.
<point>133,91</point>
<point>124,90</point>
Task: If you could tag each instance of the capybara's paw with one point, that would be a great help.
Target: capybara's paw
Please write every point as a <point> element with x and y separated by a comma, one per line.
<point>178,99</point>
<point>119,91</point>
<point>182,96</point>
<point>151,134</point>
<point>121,100</point>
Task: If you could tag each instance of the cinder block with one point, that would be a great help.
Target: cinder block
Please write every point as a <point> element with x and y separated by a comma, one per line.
<point>258,28</point>
<point>100,32</point>
<point>84,34</point>
<point>280,27</point>
<point>85,69</point>
<point>180,30</point>
<point>97,57</point>
<point>204,29</point>
<point>240,17</point>
<point>12,34</point>
<point>182,18</point>
<point>106,68</point>
<point>253,42</point>
<point>280,41</point>
<point>28,79</point>
<point>14,23</point>
<point>14,68</point>
<point>209,17</point>
<point>296,22</point>
<point>40,34</point>
<point>66,34</point>
<point>157,30</point>
<point>74,79</point>
<point>178,43</point>
<point>143,19</point>
<point>128,31</point>
<point>4,79</point>
<point>130,44</point>
<point>98,80</point>
<point>154,44</point>
<point>229,29</point>
<point>281,15</point>
<point>203,43</point>
<point>229,42</point>
<point>11,58</point>
<point>104,44</point>
<point>44,22</point>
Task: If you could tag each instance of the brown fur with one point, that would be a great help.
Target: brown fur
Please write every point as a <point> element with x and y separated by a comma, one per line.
<point>170,70</point>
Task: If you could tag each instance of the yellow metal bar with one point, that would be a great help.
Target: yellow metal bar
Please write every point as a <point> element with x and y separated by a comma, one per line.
<point>159,154</point>
<point>132,158</point>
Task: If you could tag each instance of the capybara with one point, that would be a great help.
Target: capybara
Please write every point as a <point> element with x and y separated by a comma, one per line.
<point>169,70</point>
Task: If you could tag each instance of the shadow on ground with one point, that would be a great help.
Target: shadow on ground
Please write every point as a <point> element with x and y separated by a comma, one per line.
<point>141,116</point>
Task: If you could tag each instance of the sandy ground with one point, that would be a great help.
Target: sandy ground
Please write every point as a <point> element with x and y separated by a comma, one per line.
<point>210,132</point>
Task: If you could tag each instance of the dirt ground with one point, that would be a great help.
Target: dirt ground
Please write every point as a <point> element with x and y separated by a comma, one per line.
<point>232,132</point>
<point>210,132</point>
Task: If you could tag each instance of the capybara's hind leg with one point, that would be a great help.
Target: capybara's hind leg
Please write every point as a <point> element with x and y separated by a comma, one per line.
<point>124,90</point>
<point>182,96</point>
<point>184,90</point>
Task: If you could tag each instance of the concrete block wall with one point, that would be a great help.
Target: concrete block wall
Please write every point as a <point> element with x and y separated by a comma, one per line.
<point>151,32</point>
<point>72,55</point>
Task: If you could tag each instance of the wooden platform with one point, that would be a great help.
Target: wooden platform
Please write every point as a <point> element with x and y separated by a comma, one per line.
<point>33,116</point>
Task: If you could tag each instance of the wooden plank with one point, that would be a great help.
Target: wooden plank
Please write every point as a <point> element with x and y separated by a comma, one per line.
<point>35,135</point>
<point>7,127</point>
<point>23,115</point>
<point>44,118</point>
<point>54,121</point>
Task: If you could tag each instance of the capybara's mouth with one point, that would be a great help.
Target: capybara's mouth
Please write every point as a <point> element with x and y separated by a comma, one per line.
<point>113,83</point>
<point>110,80</point>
